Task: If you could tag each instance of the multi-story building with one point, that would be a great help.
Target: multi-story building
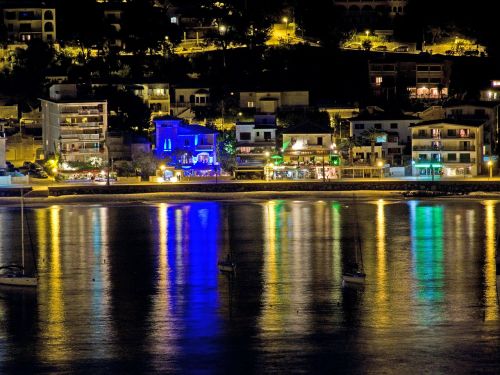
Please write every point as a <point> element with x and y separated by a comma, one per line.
<point>26,21</point>
<point>307,148</point>
<point>391,131</point>
<point>424,78</point>
<point>186,99</point>
<point>271,101</point>
<point>255,142</point>
<point>73,126</point>
<point>156,96</point>
<point>193,147</point>
<point>447,147</point>
<point>491,93</point>
<point>367,7</point>
<point>485,111</point>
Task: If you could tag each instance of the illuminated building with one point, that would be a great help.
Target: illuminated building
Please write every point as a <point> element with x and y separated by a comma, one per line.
<point>192,147</point>
<point>2,148</point>
<point>447,147</point>
<point>369,7</point>
<point>394,129</point>
<point>491,93</point>
<point>26,21</point>
<point>271,101</point>
<point>486,111</point>
<point>424,78</point>
<point>186,99</point>
<point>73,125</point>
<point>255,143</point>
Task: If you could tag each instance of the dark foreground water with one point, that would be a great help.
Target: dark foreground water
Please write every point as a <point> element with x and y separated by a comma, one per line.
<point>135,288</point>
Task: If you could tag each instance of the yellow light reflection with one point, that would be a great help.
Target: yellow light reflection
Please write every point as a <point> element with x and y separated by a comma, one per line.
<point>51,285</point>
<point>490,292</point>
<point>381,296</point>
<point>160,313</point>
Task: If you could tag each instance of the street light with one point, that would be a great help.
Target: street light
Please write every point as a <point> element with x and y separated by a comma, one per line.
<point>490,166</point>
<point>367,32</point>
<point>285,20</point>
<point>222,32</point>
<point>380,164</point>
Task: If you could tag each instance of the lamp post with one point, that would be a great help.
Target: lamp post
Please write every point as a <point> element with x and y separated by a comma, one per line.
<point>490,166</point>
<point>285,20</point>
<point>222,32</point>
<point>380,164</point>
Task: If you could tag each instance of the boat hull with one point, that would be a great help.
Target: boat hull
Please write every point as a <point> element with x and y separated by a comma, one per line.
<point>353,278</point>
<point>19,281</point>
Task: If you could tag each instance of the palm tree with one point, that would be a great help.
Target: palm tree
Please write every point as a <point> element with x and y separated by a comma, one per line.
<point>371,135</point>
<point>349,144</point>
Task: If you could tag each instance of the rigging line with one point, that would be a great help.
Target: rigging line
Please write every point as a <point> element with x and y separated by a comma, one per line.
<point>31,244</point>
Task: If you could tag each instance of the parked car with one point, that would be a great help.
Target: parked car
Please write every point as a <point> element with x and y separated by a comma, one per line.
<point>471,52</point>
<point>401,49</point>
<point>380,49</point>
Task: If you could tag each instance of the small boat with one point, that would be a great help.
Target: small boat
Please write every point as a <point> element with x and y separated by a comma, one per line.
<point>14,274</point>
<point>356,275</point>
<point>227,265</point>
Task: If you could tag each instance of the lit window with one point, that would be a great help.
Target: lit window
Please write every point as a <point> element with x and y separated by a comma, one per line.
<point>173,20</point>
<point>378,81</point>
<point>251,104</point>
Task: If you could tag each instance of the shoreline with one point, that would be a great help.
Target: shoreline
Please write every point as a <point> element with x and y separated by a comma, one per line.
<point>145,198</point>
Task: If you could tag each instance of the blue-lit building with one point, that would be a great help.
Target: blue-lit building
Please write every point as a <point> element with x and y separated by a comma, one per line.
<point>191,147</point>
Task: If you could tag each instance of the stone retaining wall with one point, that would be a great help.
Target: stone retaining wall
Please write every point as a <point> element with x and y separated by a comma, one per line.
<point>445,186</point>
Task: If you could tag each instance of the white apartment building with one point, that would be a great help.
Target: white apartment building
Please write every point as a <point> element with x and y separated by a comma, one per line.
<point>253,141</point>
<point>447,147</point>
<point>73,126</point>
<point>271,101</point>
<point>24,24</point>
<point>393,130</point>
<point>486,111</point>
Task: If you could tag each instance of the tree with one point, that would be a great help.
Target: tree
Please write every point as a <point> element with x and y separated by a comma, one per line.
<point>367,44</point>
<point>86,27</point>
<point>145,27</point>
<point>147,163</point>
<point>132,114</point>
<point>348,145</point>
<point>371,135</point>
<point>226,150</point>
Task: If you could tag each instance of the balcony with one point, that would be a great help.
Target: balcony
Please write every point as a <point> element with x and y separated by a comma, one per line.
<point>470,136</point>
<point>444,148</point>
<point>204,147</point>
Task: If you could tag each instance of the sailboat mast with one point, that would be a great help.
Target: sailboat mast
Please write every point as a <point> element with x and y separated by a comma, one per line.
<point>22,229</point>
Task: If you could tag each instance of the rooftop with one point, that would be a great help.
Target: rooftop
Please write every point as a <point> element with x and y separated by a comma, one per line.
<point>474,123</point>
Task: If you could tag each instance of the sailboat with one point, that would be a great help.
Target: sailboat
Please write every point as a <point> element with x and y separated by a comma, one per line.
<point>227,265</point>
<point>14,274</point>
<point>357,274</point>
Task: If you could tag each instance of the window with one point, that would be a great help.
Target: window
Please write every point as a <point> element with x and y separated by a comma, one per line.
<point>436,133</point>
<point>421,133</point>
<point>378,81</point>
<point>267,136</point>
<point>480,113</point>
<point>452,157</point>
<point>186,142</point>
<point>464,158</point>
<point>257,134</point>
<point>25,27</point>
<point>422,157</point>
<point>378,126</point>
<point>456,112</point>
<point>359,126</point>
<point>320,141</point>
<point>452,133</point>
<point>250,104</point>
<point>245,136</point>
<point>192,99</point>
<point>463,133</point>
<point>48,15</point>
<point>181,98</point>
<point>10,15</point>
<point>435,157</point>
<point>394,125</point>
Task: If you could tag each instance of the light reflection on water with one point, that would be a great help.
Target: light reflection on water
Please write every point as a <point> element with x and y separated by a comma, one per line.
<point>136,288</point>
